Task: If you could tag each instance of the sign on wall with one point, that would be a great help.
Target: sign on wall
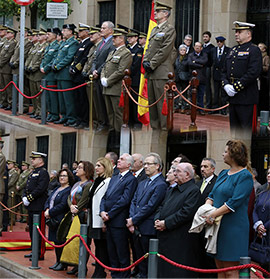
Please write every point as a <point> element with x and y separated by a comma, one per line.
<point>57,10</point>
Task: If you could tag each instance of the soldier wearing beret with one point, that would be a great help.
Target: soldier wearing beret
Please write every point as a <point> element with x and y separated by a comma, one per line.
<point>2,183</point>
<point>243,66</point>
<point>50,54</point>
<point>158,62</point>
<point>20,185</point>
<point>61,66</point>
<point>6,52</point>
<point>112,73</point>
<point>35,195</point>
<point>75,70</point>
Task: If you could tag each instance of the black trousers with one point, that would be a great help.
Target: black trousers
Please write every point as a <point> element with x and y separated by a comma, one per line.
<point>81,105</point>
<point>241,116</point>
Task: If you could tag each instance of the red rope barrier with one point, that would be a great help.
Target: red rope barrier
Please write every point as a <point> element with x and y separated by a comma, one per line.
<point>17,213</point>
<point>239,267</point>
<point>91,253</point>
<point>13,206</point>
<point>63,90</point>
<point>1,90</point>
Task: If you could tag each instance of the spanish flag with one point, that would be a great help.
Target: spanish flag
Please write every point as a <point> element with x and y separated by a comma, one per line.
<point>143,113</point>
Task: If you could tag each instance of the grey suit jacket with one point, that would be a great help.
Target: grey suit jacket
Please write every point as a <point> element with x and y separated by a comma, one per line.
<point>101,55</point>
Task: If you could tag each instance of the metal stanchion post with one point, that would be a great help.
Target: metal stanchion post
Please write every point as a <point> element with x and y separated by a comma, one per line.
<point>82,253</point>
<point>170,98</point>
<point>35,242</point>
<point>244,273</point>
<point>12,214</point>
<point>194,84</point>
<point>43,103</point>
<point>153,258</point>
<point>264,120</point>
<point>14,95</point>
<point>91,77</point>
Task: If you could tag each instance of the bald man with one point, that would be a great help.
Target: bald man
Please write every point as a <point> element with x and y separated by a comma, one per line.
<point>173,220</point>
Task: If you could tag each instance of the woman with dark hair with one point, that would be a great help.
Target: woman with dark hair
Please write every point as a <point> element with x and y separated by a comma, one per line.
<point>55,209</point>
<point>77,202</point>
<point>104,171</point>
<point>230,197</point>
<point>261,213</point>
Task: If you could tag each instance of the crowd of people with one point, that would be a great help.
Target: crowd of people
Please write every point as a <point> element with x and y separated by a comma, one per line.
<point>66,60</point>
<point>126,201</point>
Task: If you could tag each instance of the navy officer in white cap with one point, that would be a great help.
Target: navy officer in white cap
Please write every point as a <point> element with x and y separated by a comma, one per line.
<point>243,65</point>
<point>35,195</point>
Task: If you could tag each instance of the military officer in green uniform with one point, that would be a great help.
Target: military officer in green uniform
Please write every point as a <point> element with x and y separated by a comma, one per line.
<point>29,58</point>
<point>2,182</point>
<point>95,38</point>
<point>61,66</point>
<point>20,185</point>
<point>112,73</point>
<point>3,32</point>
<point>36,75</point>
<point>6,52</point>
<point>46,68</point>
<point>14,63</point>
<point>158,62</point>
<point>13,177</point>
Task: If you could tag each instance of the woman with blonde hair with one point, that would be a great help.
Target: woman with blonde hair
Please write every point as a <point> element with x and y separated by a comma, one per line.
<point>104,171</point>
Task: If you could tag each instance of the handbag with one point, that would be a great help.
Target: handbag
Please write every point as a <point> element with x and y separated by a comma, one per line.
<point>259,251</point>
<point>52,223</point>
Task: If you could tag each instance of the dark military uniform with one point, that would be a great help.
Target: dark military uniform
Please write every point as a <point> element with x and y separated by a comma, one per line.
<point>81,100</point>
<point>137,54</point>
<point>61,66</point>
<point>243,65</point>
<point>6,52</point>
<point>36,193</point>
<point>51,97</point>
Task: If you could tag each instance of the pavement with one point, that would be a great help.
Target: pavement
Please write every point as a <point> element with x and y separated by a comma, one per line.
<point>15,262</point>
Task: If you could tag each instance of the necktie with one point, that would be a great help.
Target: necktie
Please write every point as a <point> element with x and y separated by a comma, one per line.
<point>103,43</point>
<point>148,181</point>
<point>219,53</point>
<point>203,186</point>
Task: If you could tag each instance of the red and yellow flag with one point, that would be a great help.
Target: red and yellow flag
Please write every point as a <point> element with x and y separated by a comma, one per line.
<point>143,113</point>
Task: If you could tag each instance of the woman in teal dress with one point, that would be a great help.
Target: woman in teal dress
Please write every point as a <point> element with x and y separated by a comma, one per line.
<point>230,196</point>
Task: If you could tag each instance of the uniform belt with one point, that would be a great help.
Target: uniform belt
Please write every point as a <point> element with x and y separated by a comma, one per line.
<point>233,80</point>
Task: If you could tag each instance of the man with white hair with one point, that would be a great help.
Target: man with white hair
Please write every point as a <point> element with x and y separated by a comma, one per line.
<point>173,220</point>
<point>138,169</point>
<point>114,210</point>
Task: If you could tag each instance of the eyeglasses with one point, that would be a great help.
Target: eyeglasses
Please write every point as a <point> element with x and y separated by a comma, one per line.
<point>148,164</point>
<point>63,175</point>
<point>218,41</point>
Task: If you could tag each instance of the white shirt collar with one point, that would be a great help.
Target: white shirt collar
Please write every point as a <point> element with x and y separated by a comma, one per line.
<point>208,179</point>
<point>124,173</point>
<point>138,172</point>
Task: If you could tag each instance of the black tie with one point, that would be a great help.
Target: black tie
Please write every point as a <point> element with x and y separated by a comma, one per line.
<point>219,53</point>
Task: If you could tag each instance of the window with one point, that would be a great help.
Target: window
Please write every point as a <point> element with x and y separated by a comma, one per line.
<point>187,14</point>
<point>68,148</point>
<point>43,146</point>
<point>142,13</point>
<point>106,11</point>
<point>21,150</point>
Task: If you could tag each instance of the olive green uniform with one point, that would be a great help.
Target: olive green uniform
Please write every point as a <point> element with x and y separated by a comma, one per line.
<point>14,64</point>
<point>2,186</point>
<point>13,177</point>
<point>6,52</point>
<point>114,70</point>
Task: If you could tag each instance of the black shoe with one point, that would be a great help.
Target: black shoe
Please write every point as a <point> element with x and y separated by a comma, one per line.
<point>61,121</point>
<point>33,116</point>
<point>30,113</point>
<point>0,234</point>
<point>60,267</point>
<point>28,255</point>
<point>48,118</point>
<point>38,117</point>
<point>71,124</point>
<point>25,111</point>
<point>54,266</point>
<point>8,108</point>
<point>52,119</point>
<point>73,271</point>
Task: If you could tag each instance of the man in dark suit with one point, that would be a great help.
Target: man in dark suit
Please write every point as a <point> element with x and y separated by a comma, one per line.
<point>208,166</point>
<point>102,51</point>
<point>197,60</point>
<point>218,55</point>
<point>138,169</point>
<point>242,67</point>
<point>188,43</point>
<point>207,48</point>
<point>75,70</point>
<point>148,196</point>
<point>114,210</point>
<point>173,220</point>
<point>112,156</point>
